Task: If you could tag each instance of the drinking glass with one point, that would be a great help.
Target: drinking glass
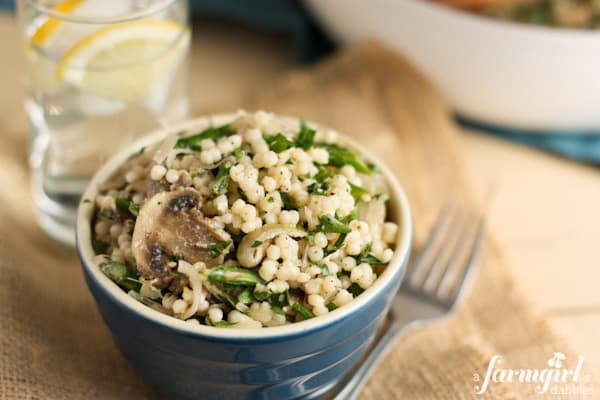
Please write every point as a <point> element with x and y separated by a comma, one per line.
<point>99,74</point>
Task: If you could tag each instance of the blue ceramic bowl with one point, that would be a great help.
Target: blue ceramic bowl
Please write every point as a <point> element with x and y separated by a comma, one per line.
<point>183,361</point>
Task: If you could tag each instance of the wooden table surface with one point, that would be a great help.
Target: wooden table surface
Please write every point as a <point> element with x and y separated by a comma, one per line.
<point>544,211</point>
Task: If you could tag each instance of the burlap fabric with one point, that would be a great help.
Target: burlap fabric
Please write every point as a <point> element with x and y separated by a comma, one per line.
<point>54,345</point>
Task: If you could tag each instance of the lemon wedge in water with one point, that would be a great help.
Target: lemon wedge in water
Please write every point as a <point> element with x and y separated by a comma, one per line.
<point>129,62</point>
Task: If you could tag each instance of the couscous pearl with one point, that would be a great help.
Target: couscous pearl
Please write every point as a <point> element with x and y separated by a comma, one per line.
<point>315,300</point>
<point>137,198</point>
<point>221,203</point>
<point>389,231</point>
<point>303,277</point>
<point>102,227</point>
<point>290,217</point>
<point>346,282</point>
<point>278,286</point>
<point>157,172</point>
<point>288,271</point>
<point>313,286</point>
<point>115,230</point>
<point>108,203</point>
<point>207,144</point>
<point>320,310</point>
<point>269,183</point>
<point>387,255</point>
<point>215,314</point>
<point>342,297</point>
<point>315,253</point>
<point>261,312</point>
<point>273,252</point>
<point>356,274</point>
<point>330,284</point>
<point>172,176</point>
<point>179,306</point>
<point>320,240</point>
<point>267,270</point>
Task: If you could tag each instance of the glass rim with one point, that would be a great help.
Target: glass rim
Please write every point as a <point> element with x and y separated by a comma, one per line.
<point>86,19</point>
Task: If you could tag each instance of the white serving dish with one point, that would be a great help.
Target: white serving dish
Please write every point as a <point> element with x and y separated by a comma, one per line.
<point>501,73</point>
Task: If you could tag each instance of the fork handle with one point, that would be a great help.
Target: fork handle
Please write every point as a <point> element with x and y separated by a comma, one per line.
<point>350,389</point>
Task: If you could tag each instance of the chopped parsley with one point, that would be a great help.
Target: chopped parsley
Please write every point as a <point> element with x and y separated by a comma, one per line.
<point>330,224</point>
<point>238,153</point>
<point>303,311</point>
<point>337,245</point>
<point>279,142</point>
<point>367,257</point>
<point>121,275</point>
<point>306,136</point>
<point>246,296</point>
<point>222,179</point>
<point>324,269</point>
<point>219,248</point>
<point>256,243</point>
<point>108,213</point>
<point>331,306</point>
<point>317,188</point>
<point>127,208</point>
<point>288,202</point>
<point>340,156</point>
<point>356,191</point>
<point>99,246</point>
<point>224,324</point>
<point>355,290</point>
<point>260,296</point>
<point>214,133</point>
<point>233,275</point>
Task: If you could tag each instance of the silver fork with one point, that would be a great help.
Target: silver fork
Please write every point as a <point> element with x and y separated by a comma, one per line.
<point>432,288</point>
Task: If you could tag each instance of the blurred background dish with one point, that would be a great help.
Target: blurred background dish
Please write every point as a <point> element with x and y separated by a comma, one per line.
<point>583,14</point>
<point>505,74</point>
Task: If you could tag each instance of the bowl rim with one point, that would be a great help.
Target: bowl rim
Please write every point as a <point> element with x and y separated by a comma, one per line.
<point>487,22</point>
<point>399,202</point>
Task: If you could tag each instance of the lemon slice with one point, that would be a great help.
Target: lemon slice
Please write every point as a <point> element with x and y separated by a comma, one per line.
<point>48,39</point>
<point>46,30</point>
<point>128,62</point>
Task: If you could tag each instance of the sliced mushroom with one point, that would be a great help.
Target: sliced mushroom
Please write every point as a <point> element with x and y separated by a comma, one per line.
<point>153,187</point>
<point>170,225</point>
<point>249,254</point>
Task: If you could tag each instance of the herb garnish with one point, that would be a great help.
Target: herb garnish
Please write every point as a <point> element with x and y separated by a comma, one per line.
<point>99,246</point>
<point>233,275</point>
<point>340,156</point>
<point>367,257</point>
<point>127,208</point>
<point>317,188</point>
<point>121,275</point>
<point>222,179</point>
<point>214,133</point>
<point>219,248</point>
<point>330,224</point>
<point>306,136</point>
<point>279,142</point>
<point>303,311</point>
<point>256,243</point>
<point>356,191</point>
<point>355,289</point>
<point>288,202</point>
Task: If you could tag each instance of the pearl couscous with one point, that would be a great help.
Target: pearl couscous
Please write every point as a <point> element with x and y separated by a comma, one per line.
<point>256,223</point>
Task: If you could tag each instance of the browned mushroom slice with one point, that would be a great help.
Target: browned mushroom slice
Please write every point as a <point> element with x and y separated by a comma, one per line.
<point>170,225</point>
